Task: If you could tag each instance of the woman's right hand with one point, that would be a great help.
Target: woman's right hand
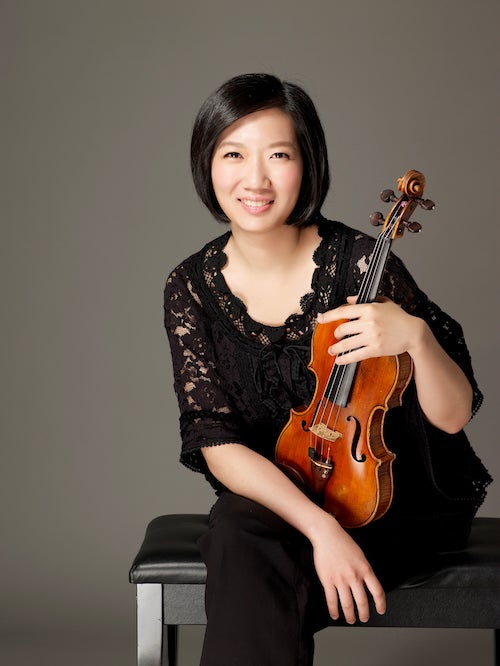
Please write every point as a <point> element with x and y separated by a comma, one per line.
<point>345,574</point>
<point>340,563</point>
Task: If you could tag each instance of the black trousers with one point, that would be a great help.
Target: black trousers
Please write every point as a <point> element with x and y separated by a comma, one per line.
<point>264,601</point>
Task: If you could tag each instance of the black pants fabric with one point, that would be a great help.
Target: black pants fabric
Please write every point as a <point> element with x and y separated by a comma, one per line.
<point>264,601</point>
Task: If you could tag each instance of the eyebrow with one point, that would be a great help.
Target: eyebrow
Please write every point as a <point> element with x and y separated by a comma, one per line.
<point>275,144</point>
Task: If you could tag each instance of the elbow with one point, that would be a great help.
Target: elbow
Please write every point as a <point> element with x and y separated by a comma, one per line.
<point>452,414</point>
<point>451,422</point>
<point>460,416</point>
<point>456,422</point>
<point>454,428</point>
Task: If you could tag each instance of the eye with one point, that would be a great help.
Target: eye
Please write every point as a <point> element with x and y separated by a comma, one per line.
<point>280,156</point>
<point>232,154</point>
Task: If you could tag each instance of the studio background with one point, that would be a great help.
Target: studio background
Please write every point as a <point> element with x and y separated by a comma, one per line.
<point>98,100</point>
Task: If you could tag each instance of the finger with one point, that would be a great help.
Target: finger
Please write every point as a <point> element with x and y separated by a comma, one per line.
<point>332,601</point>
<point>350,346</point>
<point>377,591</point>
<point>347,604</point>
<point>352,356</point>
<point>361,601</point>
<point>349,311</point>
<point>348,329</point>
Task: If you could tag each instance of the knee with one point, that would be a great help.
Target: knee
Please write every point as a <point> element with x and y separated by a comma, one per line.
<point>242,528</point>
<point>236,514</point>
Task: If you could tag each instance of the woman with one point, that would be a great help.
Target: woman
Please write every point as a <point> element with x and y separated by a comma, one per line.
<point>239,315</point>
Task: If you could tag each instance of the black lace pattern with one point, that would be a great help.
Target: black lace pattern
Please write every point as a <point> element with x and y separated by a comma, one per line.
<point>237,379</point>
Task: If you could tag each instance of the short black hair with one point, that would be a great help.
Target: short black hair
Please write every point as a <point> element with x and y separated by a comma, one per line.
<point>248,93</point>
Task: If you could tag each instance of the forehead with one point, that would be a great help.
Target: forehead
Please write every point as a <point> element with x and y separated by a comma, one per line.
<point>268,125</point>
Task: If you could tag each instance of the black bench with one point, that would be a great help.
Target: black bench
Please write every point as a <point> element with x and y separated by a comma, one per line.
<point>462,592</point>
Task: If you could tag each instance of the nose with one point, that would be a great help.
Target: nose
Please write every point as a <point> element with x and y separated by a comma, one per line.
<point>256,175</point>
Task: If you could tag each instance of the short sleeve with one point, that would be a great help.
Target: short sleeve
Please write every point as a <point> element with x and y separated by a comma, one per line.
<point>206,414</point>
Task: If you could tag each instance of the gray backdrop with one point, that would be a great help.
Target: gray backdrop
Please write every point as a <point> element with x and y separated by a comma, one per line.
<point>98,99</point>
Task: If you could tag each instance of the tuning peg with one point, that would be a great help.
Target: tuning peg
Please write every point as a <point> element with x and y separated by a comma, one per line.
<point>388,195</point>
<point>377,219</point>
<point>413,227</point>
<point>427,204</point>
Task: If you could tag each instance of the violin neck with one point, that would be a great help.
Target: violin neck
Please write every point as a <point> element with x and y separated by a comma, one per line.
<point>373,277</point>
<point>340,383</point>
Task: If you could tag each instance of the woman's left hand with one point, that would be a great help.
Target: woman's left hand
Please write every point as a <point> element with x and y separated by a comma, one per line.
<point>382,328</point>
<point>374,329</point>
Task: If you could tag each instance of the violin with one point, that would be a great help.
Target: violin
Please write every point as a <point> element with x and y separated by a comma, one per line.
<point>335,447</point>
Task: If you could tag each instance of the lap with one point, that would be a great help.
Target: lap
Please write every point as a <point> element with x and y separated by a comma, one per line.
<point>383,541</point>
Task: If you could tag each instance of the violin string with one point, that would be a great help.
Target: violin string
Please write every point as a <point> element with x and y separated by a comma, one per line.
<point>364,291</point>
<point>337,373</point>
<point>367,284</point>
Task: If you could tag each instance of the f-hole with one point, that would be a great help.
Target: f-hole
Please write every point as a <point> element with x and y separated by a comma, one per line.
<point>355,440</point>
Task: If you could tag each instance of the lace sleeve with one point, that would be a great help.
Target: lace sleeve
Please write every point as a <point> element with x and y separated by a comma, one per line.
<point>206,416</point>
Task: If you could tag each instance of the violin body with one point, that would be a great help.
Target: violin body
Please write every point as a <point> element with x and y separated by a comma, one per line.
<point>335,448</point>
<point>359,487</point>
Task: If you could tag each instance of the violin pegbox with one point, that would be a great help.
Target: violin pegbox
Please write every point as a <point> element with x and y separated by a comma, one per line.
<point>412,186</point>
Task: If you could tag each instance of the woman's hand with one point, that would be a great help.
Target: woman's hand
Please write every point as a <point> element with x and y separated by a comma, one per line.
<point>345,574</point>
<point>342,568</point>
<point>374,329</point>
<point>383,328</point>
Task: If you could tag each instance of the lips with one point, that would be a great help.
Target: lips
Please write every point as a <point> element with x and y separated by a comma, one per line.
<point>256,203</point>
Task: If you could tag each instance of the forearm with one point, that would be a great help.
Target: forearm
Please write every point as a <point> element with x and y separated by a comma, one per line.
<point>249,474</point>
<point>444,392</point>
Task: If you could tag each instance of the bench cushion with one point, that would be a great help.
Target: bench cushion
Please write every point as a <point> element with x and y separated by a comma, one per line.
<point>169,553</point>
<point>462,590</point>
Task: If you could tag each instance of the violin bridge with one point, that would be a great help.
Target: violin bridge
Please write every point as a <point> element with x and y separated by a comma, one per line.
<point>323,431</point>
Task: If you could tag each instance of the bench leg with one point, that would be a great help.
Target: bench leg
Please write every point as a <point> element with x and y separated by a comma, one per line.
<point>172,635</point>
<point>149,624</point>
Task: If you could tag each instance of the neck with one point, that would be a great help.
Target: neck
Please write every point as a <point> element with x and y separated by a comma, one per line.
<point>268,251</point>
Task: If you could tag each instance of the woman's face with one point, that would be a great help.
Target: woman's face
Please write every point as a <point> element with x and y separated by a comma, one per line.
<point>257,170</point>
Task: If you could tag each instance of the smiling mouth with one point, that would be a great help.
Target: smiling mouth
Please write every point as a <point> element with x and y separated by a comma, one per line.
<point>256,204</point>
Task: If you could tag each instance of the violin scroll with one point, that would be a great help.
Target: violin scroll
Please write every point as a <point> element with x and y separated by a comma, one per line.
<point>412,186</point>
<point>412,183</point>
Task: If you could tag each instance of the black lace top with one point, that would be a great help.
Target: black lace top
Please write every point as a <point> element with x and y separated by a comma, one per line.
<point>236,379</point>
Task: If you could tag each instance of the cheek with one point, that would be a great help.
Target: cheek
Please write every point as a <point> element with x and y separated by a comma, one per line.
<point>221,179</point>
<point>292,181</point>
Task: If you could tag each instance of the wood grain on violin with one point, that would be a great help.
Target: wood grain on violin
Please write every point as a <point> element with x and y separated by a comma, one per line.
<point>335,447</point>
